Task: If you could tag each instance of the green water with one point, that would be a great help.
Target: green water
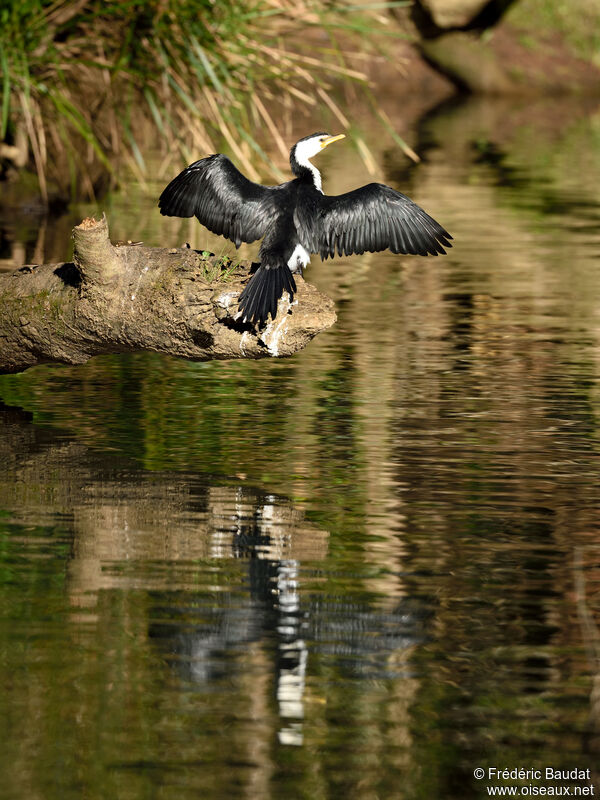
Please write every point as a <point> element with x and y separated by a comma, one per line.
<point>363,572</point>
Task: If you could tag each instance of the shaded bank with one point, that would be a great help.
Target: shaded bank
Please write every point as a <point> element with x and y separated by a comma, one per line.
<point>511,46</point>
<point>90,88</point>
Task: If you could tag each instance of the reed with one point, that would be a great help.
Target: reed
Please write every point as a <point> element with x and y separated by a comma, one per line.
<point>88,85</point>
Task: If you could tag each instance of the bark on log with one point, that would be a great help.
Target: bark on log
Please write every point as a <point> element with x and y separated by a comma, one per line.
<point>116,299</point>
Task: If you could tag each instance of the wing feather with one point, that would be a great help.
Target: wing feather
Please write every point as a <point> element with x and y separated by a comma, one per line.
<point>222,199</point>
<point>376,217</point>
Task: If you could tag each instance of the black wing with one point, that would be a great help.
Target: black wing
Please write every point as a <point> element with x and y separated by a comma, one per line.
<point>376,217</point>
<point>223,199</point>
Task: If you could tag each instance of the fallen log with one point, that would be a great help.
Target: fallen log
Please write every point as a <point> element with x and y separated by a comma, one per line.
<point>117,299</point>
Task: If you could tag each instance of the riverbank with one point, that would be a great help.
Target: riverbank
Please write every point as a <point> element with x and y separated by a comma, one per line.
<point>313,73</point>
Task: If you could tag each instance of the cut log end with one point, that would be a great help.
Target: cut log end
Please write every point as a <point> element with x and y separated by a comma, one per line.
<point>89,223</point>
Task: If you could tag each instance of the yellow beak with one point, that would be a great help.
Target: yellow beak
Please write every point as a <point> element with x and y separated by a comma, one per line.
<point>332,139</point>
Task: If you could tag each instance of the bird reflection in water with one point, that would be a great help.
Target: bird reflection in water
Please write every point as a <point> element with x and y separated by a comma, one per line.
<point>228,570</point>
<point>202,638</point>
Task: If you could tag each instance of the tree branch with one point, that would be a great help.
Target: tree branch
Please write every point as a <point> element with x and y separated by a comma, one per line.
<point>116,299</point>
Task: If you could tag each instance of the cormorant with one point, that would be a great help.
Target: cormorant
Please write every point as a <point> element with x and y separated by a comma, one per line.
<point>295,220</point>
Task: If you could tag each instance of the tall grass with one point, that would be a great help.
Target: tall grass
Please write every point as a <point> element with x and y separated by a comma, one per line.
<point>87,85</point>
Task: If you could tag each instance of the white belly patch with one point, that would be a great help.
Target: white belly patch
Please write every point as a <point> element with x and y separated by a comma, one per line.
<point>299,259</point>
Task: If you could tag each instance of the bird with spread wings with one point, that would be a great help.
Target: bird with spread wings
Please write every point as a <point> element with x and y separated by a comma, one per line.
<point>296,220</point>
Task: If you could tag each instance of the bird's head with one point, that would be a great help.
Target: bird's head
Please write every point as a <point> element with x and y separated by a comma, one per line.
<point>306,148</point>
<point>311,145</point>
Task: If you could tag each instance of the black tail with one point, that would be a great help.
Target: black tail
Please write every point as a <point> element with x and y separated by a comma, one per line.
<point>261,295</point>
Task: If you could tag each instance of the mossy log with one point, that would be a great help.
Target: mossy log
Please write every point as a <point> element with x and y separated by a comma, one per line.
<point>117,299</point>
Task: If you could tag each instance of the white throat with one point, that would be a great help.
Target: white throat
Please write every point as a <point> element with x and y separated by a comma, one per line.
<point>304,152</point>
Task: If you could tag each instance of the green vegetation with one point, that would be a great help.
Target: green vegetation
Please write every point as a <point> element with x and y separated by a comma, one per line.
<point>218,270</point>
<point>89,85</point>
<point>576,21</point>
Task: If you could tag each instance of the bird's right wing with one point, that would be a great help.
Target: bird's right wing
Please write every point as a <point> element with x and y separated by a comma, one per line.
<point>222,199</point>
<point>373,218</point>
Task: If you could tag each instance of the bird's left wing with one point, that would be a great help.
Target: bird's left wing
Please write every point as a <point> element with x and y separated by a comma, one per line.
<point>222,199</point>
<point>372,218</point>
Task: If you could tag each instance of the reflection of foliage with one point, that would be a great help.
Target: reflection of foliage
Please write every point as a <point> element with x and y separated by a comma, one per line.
<point>168,414</point>
<point>539,161</point>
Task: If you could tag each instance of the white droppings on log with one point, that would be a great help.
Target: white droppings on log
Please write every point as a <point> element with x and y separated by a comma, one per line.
<point>242,348</point>
<point>275,330</point>
<point>225,300</point>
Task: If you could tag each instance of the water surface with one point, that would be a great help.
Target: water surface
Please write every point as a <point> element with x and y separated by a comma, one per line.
<point>359,573</point>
